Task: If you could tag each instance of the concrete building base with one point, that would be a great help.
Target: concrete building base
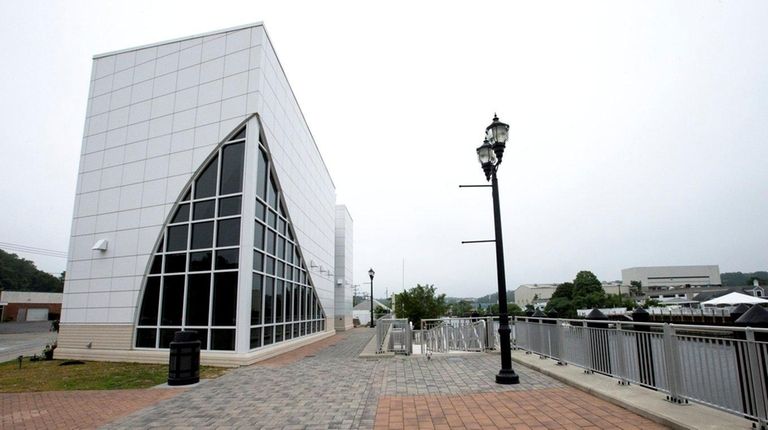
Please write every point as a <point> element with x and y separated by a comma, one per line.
<point>207,358</point>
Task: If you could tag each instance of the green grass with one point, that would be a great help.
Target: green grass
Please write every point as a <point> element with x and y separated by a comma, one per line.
<point>93,375</point>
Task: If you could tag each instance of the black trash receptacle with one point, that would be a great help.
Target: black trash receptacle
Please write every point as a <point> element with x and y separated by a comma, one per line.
<point>184,359</point>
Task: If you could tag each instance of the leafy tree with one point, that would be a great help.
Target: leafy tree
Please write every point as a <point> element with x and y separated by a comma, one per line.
<point>585,292</point>
<point>513,309</point>
<point>739,279</point>
<point>461,308</point>
<point>587,283</point>
<point>651,303</point>
<point>564,290</point>
<point>379,311</point>
<point>636,288</point>
<point>616,301</point>
<point>19,274</point>
<point>420,302</point>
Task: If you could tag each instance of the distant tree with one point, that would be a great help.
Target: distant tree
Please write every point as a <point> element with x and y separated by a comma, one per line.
<point>587,283</point>
<point>635,288</point>
<point>356,300</point>
<point>564,290</point>
<point>616,301</point>
<point>461,308</point>
<point>378,311</point>
<point>585,292</point>
<point>19,274</point>
<point>420,302</point>
<point>737,279</point>
<point>651,303</point>
<point>513,309</point>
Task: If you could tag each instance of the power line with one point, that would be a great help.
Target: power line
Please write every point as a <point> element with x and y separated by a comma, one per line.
<point>33,250</point>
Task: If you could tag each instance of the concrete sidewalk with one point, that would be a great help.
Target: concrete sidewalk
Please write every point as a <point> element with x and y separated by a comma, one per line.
<point>642,401</point>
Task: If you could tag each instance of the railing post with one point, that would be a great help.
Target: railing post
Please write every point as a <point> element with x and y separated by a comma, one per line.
<point>757,370</point>
<point>423,338</point>
<point>488,336</point>
<point>672,365</point>
<point>560,332</point>
<point>621,355</point>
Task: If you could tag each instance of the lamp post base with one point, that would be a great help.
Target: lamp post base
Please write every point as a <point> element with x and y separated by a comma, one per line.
<point>507,377</point>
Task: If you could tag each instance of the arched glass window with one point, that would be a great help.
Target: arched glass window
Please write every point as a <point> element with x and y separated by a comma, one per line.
<point>284,303</point>
<point>193,278</point>
<point>192,282</point>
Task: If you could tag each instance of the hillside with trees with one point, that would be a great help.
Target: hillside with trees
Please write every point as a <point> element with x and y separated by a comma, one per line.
<point>19,274</point>
<point>737,279</point>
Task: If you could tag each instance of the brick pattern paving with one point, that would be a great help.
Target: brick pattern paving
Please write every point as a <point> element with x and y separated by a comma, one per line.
<point>325,386</point>
<point>74,409</point>
<point>545,409</point>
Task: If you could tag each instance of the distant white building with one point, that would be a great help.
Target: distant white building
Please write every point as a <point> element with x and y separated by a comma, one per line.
<point>363,310</point>
<point>666,277</point>
<point>526,294</point>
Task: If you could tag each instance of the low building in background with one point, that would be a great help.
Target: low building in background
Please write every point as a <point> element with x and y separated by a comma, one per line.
<point>674,282</point>
<point>530,294</point>
<point>362,311</point>
<point>29,306</point>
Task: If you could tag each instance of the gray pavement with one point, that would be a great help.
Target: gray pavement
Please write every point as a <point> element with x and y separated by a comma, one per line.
<point>331,389</point>
<point>24,338</point>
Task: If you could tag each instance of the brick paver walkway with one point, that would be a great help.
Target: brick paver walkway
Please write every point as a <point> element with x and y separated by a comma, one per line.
<point>74,409</point>
<point>326,386</point>
<point>549,408</point>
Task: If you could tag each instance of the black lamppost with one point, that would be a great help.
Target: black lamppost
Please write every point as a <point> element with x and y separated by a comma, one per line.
<point>371,273</point>
<point>489,154</point>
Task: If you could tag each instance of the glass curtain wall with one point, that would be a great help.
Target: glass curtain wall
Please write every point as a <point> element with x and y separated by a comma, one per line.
<point>193,275</point>
<point>284,304</point>
<point>193,278</point>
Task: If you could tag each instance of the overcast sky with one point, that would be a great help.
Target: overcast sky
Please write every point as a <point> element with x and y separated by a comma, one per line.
<point>639,130</point>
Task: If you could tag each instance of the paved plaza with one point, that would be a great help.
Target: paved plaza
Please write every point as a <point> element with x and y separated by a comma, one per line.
<point>24,338</point>
<point>326,385</point>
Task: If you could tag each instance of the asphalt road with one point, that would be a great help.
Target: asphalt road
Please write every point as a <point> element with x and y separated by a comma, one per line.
<point>24,338</point>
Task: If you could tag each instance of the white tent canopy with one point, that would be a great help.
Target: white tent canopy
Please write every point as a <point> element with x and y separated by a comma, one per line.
<point>734,299</point>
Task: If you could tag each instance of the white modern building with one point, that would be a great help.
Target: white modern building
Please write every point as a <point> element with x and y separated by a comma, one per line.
<point>667,277</point>
<point>343,269</point>
<point>203,203</point>
<point>530,294</point>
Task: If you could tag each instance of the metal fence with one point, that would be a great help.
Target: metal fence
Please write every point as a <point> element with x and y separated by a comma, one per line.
<point>394,335</point>
<point>704,312</point>
<point>458,334</point>
<point>722,367</point>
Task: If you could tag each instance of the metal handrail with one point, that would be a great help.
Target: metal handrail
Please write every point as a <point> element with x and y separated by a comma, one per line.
<point>394,335</point>
<point>442,335</point>
<point>722,367</point>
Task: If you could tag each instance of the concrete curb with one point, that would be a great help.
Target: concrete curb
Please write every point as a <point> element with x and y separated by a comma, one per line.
<point>644,402</point>
<point>369,352</point>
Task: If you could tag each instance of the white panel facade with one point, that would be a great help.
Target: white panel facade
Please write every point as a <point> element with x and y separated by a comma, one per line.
<point>343,269</point>
<point>155,114</point>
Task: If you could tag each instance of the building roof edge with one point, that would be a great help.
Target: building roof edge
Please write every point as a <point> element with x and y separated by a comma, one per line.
<point>179,39</point>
